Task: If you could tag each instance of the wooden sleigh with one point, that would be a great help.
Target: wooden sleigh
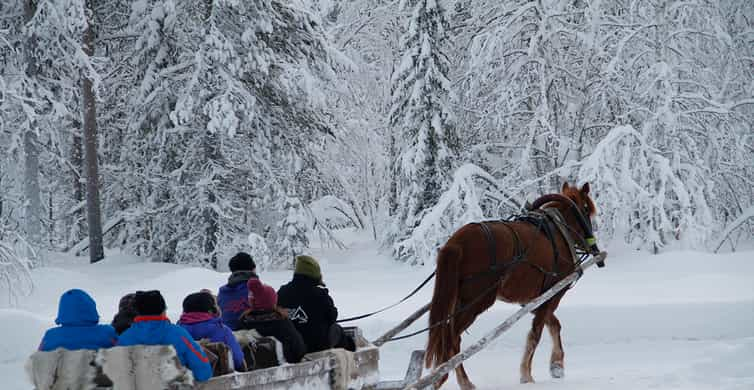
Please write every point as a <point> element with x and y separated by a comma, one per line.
<point>157,367</point>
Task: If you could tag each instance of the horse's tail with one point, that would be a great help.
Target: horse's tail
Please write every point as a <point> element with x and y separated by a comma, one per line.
<point>444,298</point>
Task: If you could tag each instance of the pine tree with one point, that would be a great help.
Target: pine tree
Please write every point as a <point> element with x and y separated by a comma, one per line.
<point>421,119</point>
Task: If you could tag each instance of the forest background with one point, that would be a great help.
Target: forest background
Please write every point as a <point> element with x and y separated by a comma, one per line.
<point>184,131</point>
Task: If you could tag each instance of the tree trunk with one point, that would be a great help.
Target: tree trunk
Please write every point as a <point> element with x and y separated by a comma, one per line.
<point>76,222</point>
<point>392,174</point>
<point>33,204</point>
<point>211,227</point>
<point>96,252</point>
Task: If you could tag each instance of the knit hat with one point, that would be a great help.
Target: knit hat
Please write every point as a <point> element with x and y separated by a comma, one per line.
<point>242,261</point>
<point>307,266</point>
<point>149,303</point>
<point>261,296</point>
<point>202,302</point>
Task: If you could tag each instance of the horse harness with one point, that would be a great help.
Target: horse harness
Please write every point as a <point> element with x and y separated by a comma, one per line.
<point>544,220</point>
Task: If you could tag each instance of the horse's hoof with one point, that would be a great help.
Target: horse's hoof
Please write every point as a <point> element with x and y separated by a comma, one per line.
<point>527,380</point>
<point>556,370</point>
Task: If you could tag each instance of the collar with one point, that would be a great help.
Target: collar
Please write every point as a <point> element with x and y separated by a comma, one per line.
<point>161,317</point>
<point>194,317</point>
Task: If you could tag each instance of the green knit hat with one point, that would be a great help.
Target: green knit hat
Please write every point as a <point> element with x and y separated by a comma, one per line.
<point>306,265</point>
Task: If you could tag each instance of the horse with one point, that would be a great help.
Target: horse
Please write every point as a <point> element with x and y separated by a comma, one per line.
<point>512,261</point>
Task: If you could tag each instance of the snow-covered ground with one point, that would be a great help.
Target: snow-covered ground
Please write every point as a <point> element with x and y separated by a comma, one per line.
<point>680,320</point>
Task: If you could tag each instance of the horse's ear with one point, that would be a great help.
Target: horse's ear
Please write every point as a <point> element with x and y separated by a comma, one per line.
<point>565,187</point>
<point>585,189</point>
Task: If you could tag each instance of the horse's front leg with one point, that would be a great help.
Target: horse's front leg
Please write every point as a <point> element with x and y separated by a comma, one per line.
<point>556,358</point>
<point>532,339</point>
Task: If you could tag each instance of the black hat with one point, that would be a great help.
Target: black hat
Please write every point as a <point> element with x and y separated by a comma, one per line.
<point>242,261</point>
<point>199,302</point>
<point>149,303</point>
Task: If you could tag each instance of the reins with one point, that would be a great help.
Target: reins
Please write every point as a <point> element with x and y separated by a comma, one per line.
<point>412,293</point>
<point>445,320</point>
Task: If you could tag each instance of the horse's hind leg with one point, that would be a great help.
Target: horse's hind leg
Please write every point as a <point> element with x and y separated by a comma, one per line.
<point>461,324</point>
<point>556,358</point>
<point>532,339</point>
<point>463,379</point>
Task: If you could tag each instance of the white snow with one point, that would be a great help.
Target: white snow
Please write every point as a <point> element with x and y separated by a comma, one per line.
<point>678,320</point>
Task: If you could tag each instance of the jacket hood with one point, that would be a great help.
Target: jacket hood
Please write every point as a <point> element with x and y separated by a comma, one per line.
<point>206,329</point>
<point>233,288</point>
<point>77,308</point>
<point>240,277</point>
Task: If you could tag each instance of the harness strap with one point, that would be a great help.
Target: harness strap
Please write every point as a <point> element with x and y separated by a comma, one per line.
<point>492,243</point>
<point>559,222</point>
<point>496,268</point>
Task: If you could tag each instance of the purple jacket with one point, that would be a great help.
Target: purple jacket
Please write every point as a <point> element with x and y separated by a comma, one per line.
<point>206,326</point>
<point>233,298</point>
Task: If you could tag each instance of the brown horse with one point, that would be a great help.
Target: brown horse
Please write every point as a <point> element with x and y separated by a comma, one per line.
<point>511,261</point>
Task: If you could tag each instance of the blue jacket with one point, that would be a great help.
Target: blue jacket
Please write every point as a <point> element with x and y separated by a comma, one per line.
<point>233,298</point>
<point>79,325</point>
<point>157,330</point>
<point>206,326</point>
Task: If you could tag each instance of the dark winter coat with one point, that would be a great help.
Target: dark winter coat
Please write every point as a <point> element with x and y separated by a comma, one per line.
<point>79,325</point>
<point>271,323</point>
<point>157,330</point>
<point>206,326</point>
<point>311,310</point>
<point>233,298</point>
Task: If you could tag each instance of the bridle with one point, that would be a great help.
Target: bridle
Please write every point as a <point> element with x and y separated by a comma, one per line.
<point>587,240</point>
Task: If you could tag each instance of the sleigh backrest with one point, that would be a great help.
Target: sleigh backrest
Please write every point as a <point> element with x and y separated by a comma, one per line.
<point>219,355</point>
<point>123,368</point>
<point>263,350</point>
<point>62,370</point>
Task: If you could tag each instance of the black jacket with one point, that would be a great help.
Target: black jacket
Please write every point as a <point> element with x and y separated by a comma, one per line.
<point>270,323</point>
<point>311,309</point>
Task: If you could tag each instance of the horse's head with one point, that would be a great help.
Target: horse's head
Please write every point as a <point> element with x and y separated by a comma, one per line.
<point>585,206</point>
<point>581,197</point>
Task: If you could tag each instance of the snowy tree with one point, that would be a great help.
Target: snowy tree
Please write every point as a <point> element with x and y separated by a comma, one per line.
<point>209,114</point>
<point>222,99</point>
<point>293,228</point>
<point>43,61</point>
<point>421,119</point>
<point>15,262</point>
<point>551,85</point>
<point>259,250</point>
<point>680,108</point>
<point>472,196</point>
